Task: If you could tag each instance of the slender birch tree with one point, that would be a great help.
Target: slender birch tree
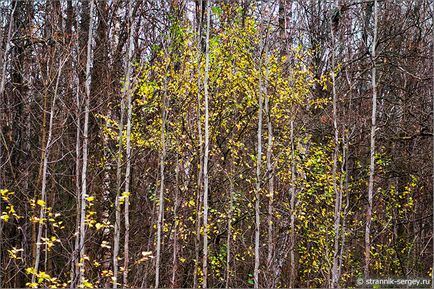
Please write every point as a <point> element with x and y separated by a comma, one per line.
<point>206,149</point>
<point>258,175</point>
<point>337,212</point>
<point>84,193</point>
<point>163,152</point>
<point>199,194</point>
<point>372,146</point>
<point>128,92</point>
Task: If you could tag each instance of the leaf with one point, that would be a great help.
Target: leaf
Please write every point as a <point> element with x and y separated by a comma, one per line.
<point>217,10</point>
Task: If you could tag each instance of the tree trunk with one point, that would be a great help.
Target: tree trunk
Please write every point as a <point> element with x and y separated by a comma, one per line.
<point>206,152</point>
<point>128,91</point>
<point>258,177</point>
<point>372,150</point>
<point>5,54</point>
<point>337,212</point>
<point>293,196</point>
<point>74,267</point>
<point>199,176</point>
<point>84,194</point>
<point>270,174</point>
<point>161,196</point>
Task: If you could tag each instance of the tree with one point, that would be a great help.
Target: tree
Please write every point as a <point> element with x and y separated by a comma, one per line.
<point>372,147</point>
<point>206,149</point>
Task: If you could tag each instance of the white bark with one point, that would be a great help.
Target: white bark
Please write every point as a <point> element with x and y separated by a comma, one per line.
<point>258,179</point>
<point>372,149</point>
<point>161,195</point>
<point>206,152</point>
<point>117,226</point>
<point>5,54</point>
<point>74,268</point>
<point>199,177</point>
<point>338,198</point>
<point>85,146</point>
<point>128,92</point>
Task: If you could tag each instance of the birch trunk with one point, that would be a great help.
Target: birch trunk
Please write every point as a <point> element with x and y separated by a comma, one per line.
<point>128,91</point>
<point>74,267</point>
<point>5,54</point>
<point>337,212</point>
<point>372,150</point>
<point>85,147</point>
<point>199,177</point>
<point>161,196</point>
<point>258,178</point>
<point>206,152</point>
<point>117,226</point>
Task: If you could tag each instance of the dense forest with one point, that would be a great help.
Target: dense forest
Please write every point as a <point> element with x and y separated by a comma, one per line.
<point>215,143</point>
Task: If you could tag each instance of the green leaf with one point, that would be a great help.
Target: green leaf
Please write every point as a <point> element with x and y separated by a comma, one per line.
<point>216,10</point>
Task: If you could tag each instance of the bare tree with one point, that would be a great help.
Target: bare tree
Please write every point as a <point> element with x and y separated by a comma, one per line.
<point>337,213</point>
<point>84,194</point>
<point>258,176</point>
<point>199,193</point>
<point>206,149</point>
<point>372,146</point>
<point>163,152</point>
<point>128,91</point>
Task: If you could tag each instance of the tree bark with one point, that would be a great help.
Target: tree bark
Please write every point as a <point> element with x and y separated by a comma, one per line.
<point>5,54</point>
<point>84,194</point>
<point>258,177</point>
<point>372,148</point>
<point>337,212</point>
<point>128,91</point>
<point>199,195</point>
<point>161,195</point>
<point>206,148</point>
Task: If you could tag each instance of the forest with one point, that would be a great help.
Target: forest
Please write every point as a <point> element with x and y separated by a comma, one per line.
<point>215,143</point>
